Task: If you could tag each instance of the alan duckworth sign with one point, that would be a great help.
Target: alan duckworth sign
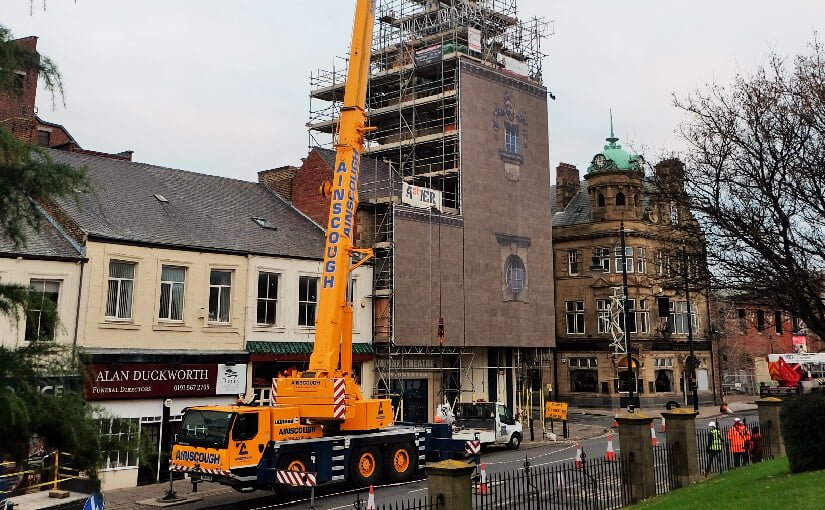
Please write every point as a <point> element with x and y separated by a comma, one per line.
<point>141,380</point>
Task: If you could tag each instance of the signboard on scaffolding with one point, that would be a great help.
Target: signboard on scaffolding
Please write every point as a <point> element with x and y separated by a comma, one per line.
<point>428,55</point>
<point>513,65</point>
<point>422,198</point>
<point>474,39</point>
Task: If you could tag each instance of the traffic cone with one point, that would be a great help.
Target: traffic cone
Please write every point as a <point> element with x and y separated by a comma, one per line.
<point>653,440</point>
<point>371,499</point>
<point>579,463</point>
<point>663,428</point>
<point>616,419</point>
<point>482,486</point>
<point>610,455</point>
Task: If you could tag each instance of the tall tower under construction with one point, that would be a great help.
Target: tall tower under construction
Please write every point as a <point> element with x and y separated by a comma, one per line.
<point>455,201</point>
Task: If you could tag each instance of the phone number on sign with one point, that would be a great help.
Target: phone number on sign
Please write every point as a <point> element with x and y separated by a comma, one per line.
<point>191,387</point>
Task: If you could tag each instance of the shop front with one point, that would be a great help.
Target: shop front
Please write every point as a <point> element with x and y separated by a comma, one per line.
<point>141,398</point>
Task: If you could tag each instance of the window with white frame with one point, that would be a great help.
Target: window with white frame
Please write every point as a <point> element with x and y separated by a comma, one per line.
<point>41,317</point>
<point>220,295</point>
<point>267,306</point>
<point>603,315</point>
<point>663,375</point>
<point>573,262</point>
<point>641,260</point>
<point>120,290</point>
<point>575,317</point>
<point>628,256</point>
<point>172,281</point>
<point>307,300</point>
<point>643,316</point>
<point>601,256</point>
<point>678,318</point>
<point>119,438</point>
<point>584,375</point>
<point>511,136</point>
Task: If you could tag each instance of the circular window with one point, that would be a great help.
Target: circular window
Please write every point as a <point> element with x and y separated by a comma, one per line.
<point>514,274</point>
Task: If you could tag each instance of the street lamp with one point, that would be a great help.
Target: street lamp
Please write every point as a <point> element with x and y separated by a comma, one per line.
<point>625,330</point>
<point>691,366</point>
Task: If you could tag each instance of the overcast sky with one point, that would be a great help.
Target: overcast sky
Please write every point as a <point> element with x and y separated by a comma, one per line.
<point>221,87</point>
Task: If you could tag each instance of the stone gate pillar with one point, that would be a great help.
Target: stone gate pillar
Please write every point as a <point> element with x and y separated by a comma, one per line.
<point>681,433</point>
<point>637,455</point>
<point>769,424</point>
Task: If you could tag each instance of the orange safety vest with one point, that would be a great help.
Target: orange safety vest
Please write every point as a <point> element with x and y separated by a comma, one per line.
<point>737,436</point>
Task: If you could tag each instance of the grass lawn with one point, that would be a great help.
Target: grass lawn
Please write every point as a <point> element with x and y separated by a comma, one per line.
<point>764,486</point>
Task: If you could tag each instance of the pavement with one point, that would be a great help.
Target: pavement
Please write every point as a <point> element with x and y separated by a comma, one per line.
<point>583,423</point>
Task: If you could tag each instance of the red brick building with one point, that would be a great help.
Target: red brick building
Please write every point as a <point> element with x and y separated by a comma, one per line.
<point>750,330</point>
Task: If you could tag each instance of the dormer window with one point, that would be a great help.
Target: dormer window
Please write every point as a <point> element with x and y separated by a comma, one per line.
<point>620,198</point>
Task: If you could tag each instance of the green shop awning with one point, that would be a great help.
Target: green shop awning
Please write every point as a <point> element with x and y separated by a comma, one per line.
<point>262,350</point>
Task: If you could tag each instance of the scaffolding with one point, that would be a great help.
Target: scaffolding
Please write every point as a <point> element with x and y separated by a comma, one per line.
<point>413,102</point>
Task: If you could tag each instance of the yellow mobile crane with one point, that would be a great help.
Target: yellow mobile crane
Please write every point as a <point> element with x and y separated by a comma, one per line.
<point>320,427</point>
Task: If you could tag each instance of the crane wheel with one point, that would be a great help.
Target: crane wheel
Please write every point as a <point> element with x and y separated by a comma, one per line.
<point>293,462</point>
<point>400,462</point>
<point>366,466</point>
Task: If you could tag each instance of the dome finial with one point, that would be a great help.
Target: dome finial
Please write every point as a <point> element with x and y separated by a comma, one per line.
<point>612,138</point>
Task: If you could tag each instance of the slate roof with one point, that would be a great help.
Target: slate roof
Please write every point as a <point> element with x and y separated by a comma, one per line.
<point>203,211</point>
<point>577,211</point>
<point>374,179</point>
<point>45,242</point>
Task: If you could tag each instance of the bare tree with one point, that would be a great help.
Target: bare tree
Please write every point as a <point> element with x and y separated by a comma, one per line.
<point>755,179</point>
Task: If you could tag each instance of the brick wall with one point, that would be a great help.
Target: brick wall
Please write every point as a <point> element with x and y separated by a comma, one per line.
<point>17,112</point>
<point>279,180</point>
<point>567,184</point>
<point>306,184</point>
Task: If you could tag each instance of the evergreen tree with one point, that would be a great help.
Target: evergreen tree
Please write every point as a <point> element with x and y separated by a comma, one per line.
<point>29,177</point>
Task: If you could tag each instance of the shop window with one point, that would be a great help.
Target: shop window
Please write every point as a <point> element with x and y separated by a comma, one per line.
<point>663,381</point>
<point>119,439</point>
<point>584,375</point>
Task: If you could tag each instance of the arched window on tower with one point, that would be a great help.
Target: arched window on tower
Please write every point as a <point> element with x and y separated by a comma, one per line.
<point>601,200</point>
<point>620,198</point>
<point>515,275</point>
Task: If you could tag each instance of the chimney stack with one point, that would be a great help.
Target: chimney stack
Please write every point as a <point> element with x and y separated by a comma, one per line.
<point>279,180</point>
<point>567,184</point>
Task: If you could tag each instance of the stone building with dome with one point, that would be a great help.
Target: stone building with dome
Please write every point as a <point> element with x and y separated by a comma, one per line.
<point>589,215</point>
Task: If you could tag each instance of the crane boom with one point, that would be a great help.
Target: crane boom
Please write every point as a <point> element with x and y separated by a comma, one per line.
<point>331,340</point>
<point>327,392</point>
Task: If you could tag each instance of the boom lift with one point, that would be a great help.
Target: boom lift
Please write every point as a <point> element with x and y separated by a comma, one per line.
<point>319,425</point>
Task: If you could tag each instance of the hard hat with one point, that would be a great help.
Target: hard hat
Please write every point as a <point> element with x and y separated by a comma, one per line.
<point>712,424</point>
<point>736,420</point>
